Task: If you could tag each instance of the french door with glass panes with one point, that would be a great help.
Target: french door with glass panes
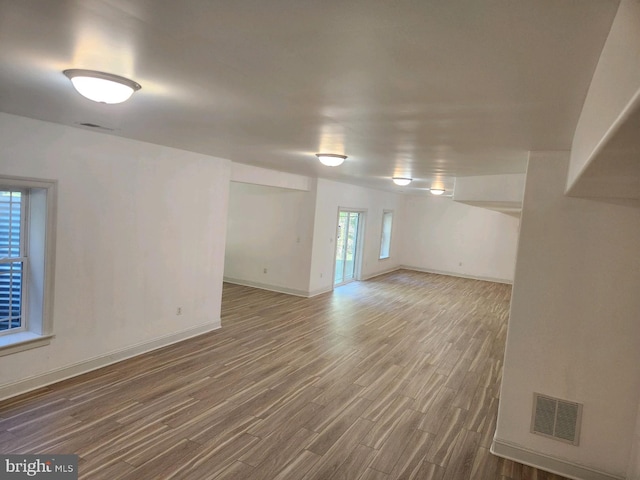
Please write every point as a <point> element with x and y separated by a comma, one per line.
<point>347,247</point>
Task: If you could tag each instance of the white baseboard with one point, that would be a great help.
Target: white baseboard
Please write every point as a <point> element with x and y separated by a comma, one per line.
<point>266,286</point>
<point>377,274</point>
<point>545,462</point>
<point>363,278</point>
<point>456,274</point>
<point>326,289</point>
<point>320,291</point>
<point>85,366</point>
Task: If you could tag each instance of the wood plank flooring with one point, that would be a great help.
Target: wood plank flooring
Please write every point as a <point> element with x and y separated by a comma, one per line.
<point>393,378</point>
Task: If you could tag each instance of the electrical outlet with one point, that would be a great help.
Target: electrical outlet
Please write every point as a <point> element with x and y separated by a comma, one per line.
<point>264,271</point>
<point>179,311</point>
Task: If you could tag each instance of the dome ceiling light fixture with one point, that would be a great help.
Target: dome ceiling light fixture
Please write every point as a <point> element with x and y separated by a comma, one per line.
<point>436,191</point>
<point>331,159</point>
<point>102,87</point>
<point>402,181</point>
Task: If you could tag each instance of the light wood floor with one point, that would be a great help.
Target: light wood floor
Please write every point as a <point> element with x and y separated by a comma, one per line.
<point>394,378</point>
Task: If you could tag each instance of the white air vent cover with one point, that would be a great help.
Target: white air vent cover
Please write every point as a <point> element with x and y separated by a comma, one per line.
<point>556,418</point>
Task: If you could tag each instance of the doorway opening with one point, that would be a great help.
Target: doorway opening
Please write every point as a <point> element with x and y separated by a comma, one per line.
<point>348,251</point>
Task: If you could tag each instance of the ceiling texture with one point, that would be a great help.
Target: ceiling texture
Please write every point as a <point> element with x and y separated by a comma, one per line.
<point>423,88</point>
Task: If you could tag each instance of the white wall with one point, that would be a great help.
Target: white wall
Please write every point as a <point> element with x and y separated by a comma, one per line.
<point>262,176</point>
<point>507,188</point>
<point>269,228</point>
<point>140,231</point>
<point>573,329</point>
<point>615,81</point>
<point>334,195</point>
<point>443,236</point>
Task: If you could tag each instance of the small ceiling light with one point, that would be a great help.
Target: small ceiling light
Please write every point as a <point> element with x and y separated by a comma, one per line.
<point>331,159</point>
<point>102,87</point>
<point>402,181</point>
<point>437,191</point>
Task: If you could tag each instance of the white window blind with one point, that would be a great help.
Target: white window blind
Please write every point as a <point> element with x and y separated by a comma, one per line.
<point>12,259</point>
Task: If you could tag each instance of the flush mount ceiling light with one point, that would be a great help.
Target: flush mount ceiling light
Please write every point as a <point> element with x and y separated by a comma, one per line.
<point>402,181</point>
<point>331,159</point>
<point>102,87</point>
<point>436,191</point>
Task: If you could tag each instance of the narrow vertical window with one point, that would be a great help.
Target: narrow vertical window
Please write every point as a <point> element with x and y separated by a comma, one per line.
<point>385,241</point>
<point>12,259</point>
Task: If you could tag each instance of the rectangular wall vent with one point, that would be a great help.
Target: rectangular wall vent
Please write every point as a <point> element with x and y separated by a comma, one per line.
<point>556,418</point>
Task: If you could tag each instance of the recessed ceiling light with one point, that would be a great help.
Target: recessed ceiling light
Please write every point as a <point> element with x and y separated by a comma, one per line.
<point>436,191</point>
<point>102,87</point>
<point>331,159</point>
<point>402,181</point>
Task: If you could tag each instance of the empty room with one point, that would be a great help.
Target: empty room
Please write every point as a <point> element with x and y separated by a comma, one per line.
<point>320,240</point>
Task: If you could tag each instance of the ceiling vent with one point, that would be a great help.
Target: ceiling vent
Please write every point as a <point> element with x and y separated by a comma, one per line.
<point>555,418</point>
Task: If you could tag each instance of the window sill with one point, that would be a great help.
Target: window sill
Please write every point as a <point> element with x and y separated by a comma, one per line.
<point>19,342</point>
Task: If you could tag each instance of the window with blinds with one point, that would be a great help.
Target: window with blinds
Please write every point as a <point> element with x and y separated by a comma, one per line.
<point>12,259</point>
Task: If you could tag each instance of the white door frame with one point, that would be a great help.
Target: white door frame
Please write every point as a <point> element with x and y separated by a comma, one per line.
<point>357,271</point>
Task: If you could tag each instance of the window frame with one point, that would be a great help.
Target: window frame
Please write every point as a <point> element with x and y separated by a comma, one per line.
<point>23,258</point>
<point>381,255</point>
<point>38,278</point>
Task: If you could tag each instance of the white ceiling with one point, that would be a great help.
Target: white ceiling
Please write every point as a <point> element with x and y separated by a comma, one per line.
<point>422,88</point>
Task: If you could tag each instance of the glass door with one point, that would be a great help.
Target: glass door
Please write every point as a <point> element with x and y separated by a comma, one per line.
<point>346,247</point>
